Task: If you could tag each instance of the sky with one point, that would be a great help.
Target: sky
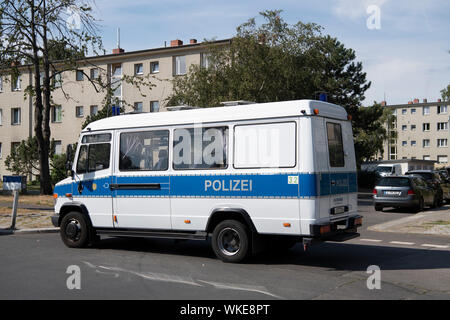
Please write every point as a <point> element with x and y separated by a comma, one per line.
<point>403,44</point>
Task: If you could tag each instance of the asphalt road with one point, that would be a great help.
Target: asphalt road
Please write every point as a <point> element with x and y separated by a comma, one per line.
<point>35,266</point>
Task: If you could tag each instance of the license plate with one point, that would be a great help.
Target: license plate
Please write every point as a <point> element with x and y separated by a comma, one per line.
<point>392,193</point>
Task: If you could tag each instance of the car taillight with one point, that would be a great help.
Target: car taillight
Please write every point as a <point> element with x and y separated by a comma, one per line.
<point>410,191</point>
<point>375,191</point>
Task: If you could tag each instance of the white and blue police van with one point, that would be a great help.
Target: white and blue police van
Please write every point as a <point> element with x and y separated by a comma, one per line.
<point>245,176</point>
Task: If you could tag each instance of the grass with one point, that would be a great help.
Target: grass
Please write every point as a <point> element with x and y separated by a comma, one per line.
<point>30,199</point>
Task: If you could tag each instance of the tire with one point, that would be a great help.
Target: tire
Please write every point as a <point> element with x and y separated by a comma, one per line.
<point>378,208</point>
<point>231,241</point>
<point>420,207</point>
<point>75,230</point>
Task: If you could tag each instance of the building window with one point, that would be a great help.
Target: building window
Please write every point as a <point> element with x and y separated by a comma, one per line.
<point>15,116</point>
<point>204,60</point>
<point>442,159</point>
<point>57,80</point>
<point>413,143</point>
<point>179,65</point>
<point>404,111</point>
<point>94,110</point>
<point>154,106</point>
<point>57,147</point>
<point>404,143</point>
<point>154,67</point>
<point>1,117</point>
<point>0,150</point>
<point>79,112</point>
<point>94,74</point>
<point>1,84</point>
<point>14,146</point>
<point>117,70</point>
<point>15,82</point>
<point>56,114</point>
<point>413,111</point>
<point>426,110</point>
<point>442,126</point>
<point>138,107</point>
<point>426,143</point>
<point>441,143</point>
<point>404,127</point>
<point>138,69</point>
<point>80,75</point>
<point>413,127</point>
<point>426,127</point>
<point>426,157</point>
<point>442,109</point>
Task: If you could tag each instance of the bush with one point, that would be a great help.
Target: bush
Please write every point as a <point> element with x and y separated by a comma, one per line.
<point>367,179</point>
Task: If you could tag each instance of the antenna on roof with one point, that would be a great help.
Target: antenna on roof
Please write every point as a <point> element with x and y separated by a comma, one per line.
<point>118,37</point>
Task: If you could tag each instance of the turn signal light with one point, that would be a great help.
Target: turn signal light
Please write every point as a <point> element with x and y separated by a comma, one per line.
<point>286,225</point>
<point>325,229</point>
<point>68,195</point>
<point>187,221</point>
<point>358,221</point>
<point>55,196</point>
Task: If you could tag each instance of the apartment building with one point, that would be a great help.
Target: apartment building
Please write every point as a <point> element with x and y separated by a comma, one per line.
<point>75,96</point>
<point>422,132</point>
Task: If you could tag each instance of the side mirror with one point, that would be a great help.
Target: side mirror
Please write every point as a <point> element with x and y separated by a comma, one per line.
<point>69,156</point>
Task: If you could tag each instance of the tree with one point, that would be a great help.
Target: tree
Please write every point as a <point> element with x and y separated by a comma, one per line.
<point>29,29</point>
<point>275,62</point>
<point>445,93</point>
<point>371,131</point>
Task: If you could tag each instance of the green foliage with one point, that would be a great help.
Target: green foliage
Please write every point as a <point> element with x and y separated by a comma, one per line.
<point>24,158</point>
<point>275,62</point>
<point>445,93</point>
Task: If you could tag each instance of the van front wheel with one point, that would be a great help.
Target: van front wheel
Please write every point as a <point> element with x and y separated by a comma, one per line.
<point>74,230</point>
<point>230,241</point>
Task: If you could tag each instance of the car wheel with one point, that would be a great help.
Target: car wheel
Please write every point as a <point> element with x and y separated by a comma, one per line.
<point>230,241</point>
<point>74,230</point>
<point>420,206</point>
<point>378,208</point>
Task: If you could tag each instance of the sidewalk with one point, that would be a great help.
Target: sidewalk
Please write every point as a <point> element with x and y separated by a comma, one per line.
<point>435,222</point>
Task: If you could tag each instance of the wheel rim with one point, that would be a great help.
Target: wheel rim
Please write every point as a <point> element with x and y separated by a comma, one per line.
<point>229,241</point>
<point>73,230</point>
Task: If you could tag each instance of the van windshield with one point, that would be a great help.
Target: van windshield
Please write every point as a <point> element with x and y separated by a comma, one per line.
<point>383,169</point>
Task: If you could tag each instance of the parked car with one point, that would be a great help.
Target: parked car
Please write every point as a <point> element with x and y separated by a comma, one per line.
<point>445,184</point>
<point>434,179</point>
<point>411,191</point>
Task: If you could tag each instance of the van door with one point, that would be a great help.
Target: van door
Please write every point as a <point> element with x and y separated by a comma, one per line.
<point>141,181</point>
<point>342,166</point>
<point>93,177</point>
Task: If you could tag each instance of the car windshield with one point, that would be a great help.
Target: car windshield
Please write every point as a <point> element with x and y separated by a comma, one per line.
<point>426,175</point>
<point>383,169</point>
<point>393,182</point>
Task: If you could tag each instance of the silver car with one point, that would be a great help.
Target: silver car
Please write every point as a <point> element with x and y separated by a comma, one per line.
<point>404,192</point>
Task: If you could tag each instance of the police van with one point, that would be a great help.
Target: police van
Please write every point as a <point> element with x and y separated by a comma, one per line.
<point>245,176</point>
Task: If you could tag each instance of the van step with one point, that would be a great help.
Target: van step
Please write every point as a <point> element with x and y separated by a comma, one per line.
<point>153,234</point>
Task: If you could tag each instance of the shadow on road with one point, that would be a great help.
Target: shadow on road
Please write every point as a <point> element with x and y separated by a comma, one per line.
<point>338,256</point>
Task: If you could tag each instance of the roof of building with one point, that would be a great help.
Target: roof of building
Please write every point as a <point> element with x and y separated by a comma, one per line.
<point>220,114</point>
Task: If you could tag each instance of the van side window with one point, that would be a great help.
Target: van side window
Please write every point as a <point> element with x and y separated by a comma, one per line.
<point>144,151</point>
<point>268,145</point>
<point>93,157</point>
<point>200,148</point>
<point>335,144</point>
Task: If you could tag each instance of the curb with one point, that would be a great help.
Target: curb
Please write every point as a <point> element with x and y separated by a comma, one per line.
<point>29,231</point>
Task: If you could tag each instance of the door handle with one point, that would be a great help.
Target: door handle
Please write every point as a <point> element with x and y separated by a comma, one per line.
<point>135,186</point>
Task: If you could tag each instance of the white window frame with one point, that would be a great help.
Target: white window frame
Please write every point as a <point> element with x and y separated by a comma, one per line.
<point>442,143</point>
<point>19,117</point>
<point>138,66</point>
<point>426,111</point>
<point>82,111</point>
<point>56,116</point>
<point>152,69</point>
<point>151,104</point>
<point>178,65</point>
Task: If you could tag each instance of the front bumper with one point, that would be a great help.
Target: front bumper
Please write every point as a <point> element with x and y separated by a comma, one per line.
<point>55,220</point>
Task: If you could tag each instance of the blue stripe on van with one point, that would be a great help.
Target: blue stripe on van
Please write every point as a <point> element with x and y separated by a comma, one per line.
<point>223,186</point>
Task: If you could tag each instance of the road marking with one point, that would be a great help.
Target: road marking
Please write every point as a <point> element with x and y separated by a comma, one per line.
<point>243,287</point>
<point>434,246</point>
<point>403,243</point>
<point>370,240</point>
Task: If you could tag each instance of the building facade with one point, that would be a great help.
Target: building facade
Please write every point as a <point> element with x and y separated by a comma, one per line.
<point>76,96</point>
<point>422,132</point>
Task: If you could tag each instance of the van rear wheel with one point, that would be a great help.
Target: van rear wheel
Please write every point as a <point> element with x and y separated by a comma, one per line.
<point>74,230</point>
<point>230,241</point>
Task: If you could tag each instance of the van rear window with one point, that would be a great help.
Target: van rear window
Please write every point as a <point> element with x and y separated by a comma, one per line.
<point>335,144</point>
<point>394,182</point>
